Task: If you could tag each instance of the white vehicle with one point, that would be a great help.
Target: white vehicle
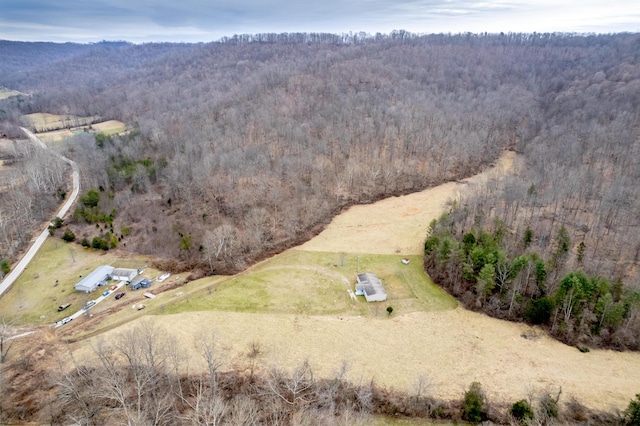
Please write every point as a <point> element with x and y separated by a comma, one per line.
<point>89,304</point>
<point>66,320</point>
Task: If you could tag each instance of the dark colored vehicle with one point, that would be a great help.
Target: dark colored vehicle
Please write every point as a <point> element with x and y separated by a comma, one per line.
<point>119,295</point>
<point>63,307</point>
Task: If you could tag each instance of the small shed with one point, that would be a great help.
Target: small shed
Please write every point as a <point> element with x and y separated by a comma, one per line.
<point>124,274</point>
<point>95,279</point>
<point>370,286</point>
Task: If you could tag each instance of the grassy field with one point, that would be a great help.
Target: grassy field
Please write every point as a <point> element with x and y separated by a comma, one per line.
<point>44,122</point>
<point>50,279</point>
<point>295,282</point>
<point>110,127</point>
<point>52,128</point>
<point>311,283</point>
<point>7,93</point>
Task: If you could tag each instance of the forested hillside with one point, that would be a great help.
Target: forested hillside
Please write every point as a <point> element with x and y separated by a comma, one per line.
<point>558,242</point>
<point>244,146</point>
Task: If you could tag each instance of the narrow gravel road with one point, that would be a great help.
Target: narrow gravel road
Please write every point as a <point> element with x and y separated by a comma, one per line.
<point>8,280</point>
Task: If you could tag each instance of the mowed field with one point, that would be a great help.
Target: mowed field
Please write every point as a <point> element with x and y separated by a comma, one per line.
<point>296,307</point>
<point>54,127</point>
<point>7,93</point>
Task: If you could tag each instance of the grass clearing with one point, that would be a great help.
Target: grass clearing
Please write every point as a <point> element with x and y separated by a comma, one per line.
<point>7,93</point>
<point>50,278</point>
<point>45,122</point>
<point>108,128</point>
<point>316,283</point>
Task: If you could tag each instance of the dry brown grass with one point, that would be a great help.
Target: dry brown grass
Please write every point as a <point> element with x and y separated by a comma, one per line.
<point>7,93</point>
<point>42,121</point>
<point>396,224</point>
<point>108,127</point>
<point>451,347</point>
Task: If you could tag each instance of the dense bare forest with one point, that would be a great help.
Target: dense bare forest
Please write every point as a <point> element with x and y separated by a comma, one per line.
<point>558,242</point>
<point>241,147</point>
<point>245,146</point>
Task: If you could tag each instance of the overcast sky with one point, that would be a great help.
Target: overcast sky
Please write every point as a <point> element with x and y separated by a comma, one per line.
<point>207,20</point>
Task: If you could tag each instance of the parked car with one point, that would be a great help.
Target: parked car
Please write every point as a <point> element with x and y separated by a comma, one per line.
<point>113,287</point>
<point>89,304</point>
<point>140,307</point>
<point>106,293</point>
<point>63,307</point>
<point>66,320</point>
<point>119,295</point>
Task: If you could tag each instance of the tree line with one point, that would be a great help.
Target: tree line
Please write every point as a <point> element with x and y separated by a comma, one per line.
<point>556,241</point>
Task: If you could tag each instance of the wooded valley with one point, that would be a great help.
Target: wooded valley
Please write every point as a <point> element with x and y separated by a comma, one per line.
<point>240,148</point>
<point>243,147</point>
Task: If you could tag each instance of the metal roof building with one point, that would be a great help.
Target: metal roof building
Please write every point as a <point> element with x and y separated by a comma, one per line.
<point>370,287</point>
<point>96,278</point>
<point>124,274</point>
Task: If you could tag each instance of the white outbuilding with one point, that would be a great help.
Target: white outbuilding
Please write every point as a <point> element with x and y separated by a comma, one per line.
<point>124,274</point>
<point>370,286</point>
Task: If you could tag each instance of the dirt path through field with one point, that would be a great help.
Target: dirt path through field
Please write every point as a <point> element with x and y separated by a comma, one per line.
<point>451,348</point>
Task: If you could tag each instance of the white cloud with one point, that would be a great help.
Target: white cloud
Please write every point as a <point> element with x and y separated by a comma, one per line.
<point>206,20</point>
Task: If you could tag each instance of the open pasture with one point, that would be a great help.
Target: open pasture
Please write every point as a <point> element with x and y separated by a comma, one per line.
<point>311,283</point>
<point>109,127</point>
<point>44,122</point>
<point>7,93</point>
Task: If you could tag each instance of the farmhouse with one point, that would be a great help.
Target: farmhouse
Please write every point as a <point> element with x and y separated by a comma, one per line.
<point>139,283</point>
<point>124,274</point>
<point>370,287</point>
<point>95,279</point>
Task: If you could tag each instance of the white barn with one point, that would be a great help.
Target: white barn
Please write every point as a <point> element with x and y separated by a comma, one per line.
<point>95,279</point>
<point>124,274</point>
<point>370,286</point>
